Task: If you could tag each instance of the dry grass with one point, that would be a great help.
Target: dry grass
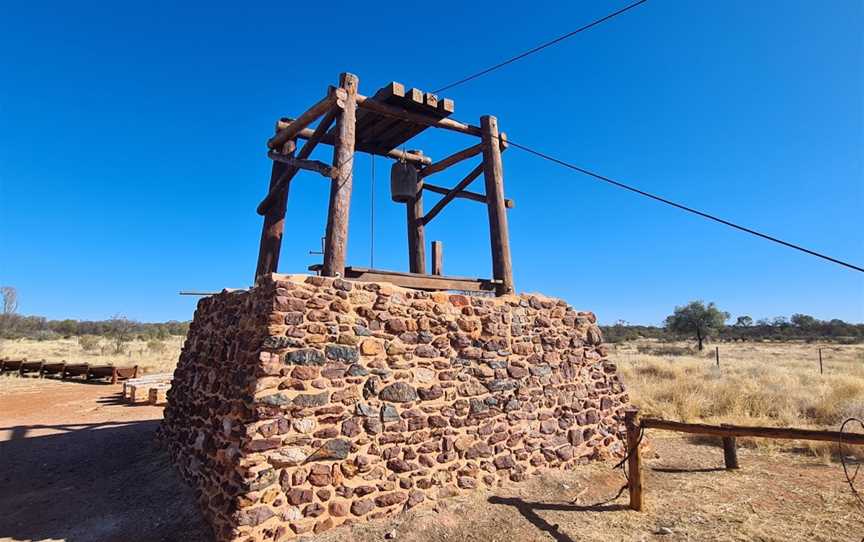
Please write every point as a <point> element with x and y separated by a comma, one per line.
<point>776,384</point>
<point>152,358</point>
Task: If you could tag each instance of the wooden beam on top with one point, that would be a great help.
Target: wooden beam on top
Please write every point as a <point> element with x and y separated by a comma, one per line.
<point>308,117</point>
<point>312,140</point>
<point>417,118</point>
<point>421,281</point>
<point>451,160</point>
<point>438,207</point>
<point>396,154</point>
<point>473,196</point>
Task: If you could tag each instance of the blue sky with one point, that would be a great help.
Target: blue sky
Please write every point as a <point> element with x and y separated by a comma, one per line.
<point>132,147</point>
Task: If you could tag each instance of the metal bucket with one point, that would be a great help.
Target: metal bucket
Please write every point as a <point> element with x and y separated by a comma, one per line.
<point>403,182</point>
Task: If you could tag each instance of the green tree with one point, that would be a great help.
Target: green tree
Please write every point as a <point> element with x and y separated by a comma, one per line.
<point>803,320</point>
<point>120,331</point>
<point>697,319</point>
<point>744,321</point>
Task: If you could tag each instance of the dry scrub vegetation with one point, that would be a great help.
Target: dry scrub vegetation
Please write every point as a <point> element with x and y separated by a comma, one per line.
<point>774,384</point>
<point>154,356</point>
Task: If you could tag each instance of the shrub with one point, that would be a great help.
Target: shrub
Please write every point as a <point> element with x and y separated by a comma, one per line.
<point>89,343</point>
<point>664,350</point>
<point>156,346</point>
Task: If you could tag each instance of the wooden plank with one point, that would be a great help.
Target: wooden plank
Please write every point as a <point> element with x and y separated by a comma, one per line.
<point>499,235</point>
<point>634,459</point>
<point>451,160</point>
<point>465,194</point>
<point>437,258</point>
<point>438,207</point>
<point>754,431</point>
<point>336,242</point>
<point>289,132</point>
<point>419,281</point>
<point>417,118</point>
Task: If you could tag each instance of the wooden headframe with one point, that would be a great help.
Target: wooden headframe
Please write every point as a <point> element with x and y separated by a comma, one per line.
<point>351,122</point>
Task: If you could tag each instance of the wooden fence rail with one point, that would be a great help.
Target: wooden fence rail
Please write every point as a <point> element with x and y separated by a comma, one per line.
<point>636,426</point>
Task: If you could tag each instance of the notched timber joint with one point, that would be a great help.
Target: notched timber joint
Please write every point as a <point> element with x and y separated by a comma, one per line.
<point>300,163</point>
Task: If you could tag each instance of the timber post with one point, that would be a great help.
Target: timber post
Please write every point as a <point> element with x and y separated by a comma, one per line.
<point>274,225</point>
<point>634,460</point>
<point>437,258</point>
<point>416,233</point>
<point>493,173</point>
<point>336,242</point>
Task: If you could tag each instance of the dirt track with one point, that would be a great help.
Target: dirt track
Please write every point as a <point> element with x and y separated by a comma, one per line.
<point>79,465</point>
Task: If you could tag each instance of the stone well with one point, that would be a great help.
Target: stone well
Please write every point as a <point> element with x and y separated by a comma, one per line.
<point>308,402</point>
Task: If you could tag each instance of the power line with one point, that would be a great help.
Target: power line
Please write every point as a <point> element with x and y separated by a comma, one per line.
<point>539,47</point>
<point>683,207</point>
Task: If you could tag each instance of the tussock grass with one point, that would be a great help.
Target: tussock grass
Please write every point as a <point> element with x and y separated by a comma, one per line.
<point>150,356</point>
<point>773,384</point>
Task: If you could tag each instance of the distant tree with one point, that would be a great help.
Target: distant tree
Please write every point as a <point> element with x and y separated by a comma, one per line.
<point>120,331</point>
<point>697,319</point>
<point>744,321</point>
<point>803,321</point>
<point>10,299</point>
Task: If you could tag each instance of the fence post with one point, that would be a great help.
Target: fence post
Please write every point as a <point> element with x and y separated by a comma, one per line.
<point>634,461</point>
<point>730,451</point>
<point>717,355</point>
<point>820,362</point>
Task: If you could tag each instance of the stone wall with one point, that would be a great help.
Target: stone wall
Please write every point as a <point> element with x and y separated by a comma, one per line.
<point>308,402</point>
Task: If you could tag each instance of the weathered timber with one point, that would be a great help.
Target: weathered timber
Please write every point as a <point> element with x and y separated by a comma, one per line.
<point>272,229</point>
<point>466,194</point>
<point>730,452</point>
<point>416,118</point>
<point>416,234</point>
<point>451,160</point>
<point>289,132</point>
<point>397,154</point>
<point>493,172</point>
<point>754,431</point>
<point>634,458</point>
<point>419,281</point>
<point>309,165</point>
<point>335,244</point>
<point>437,258</point>
<point>453,193</point>
<point>314,137</point>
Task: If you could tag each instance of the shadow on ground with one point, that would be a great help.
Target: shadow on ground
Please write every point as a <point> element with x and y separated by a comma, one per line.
<point>529,511</point>
<point>93,482</point>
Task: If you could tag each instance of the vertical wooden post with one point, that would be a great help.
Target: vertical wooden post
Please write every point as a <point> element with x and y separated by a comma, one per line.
<point>730,452</point>
<point>336,242</point>
<point>634,460</point>
<point>437,258</point>
<point>416,234</point>
<point>717,355</point>
<point>493,173</point>
<point>820,362</point>
<point>274,224</point>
